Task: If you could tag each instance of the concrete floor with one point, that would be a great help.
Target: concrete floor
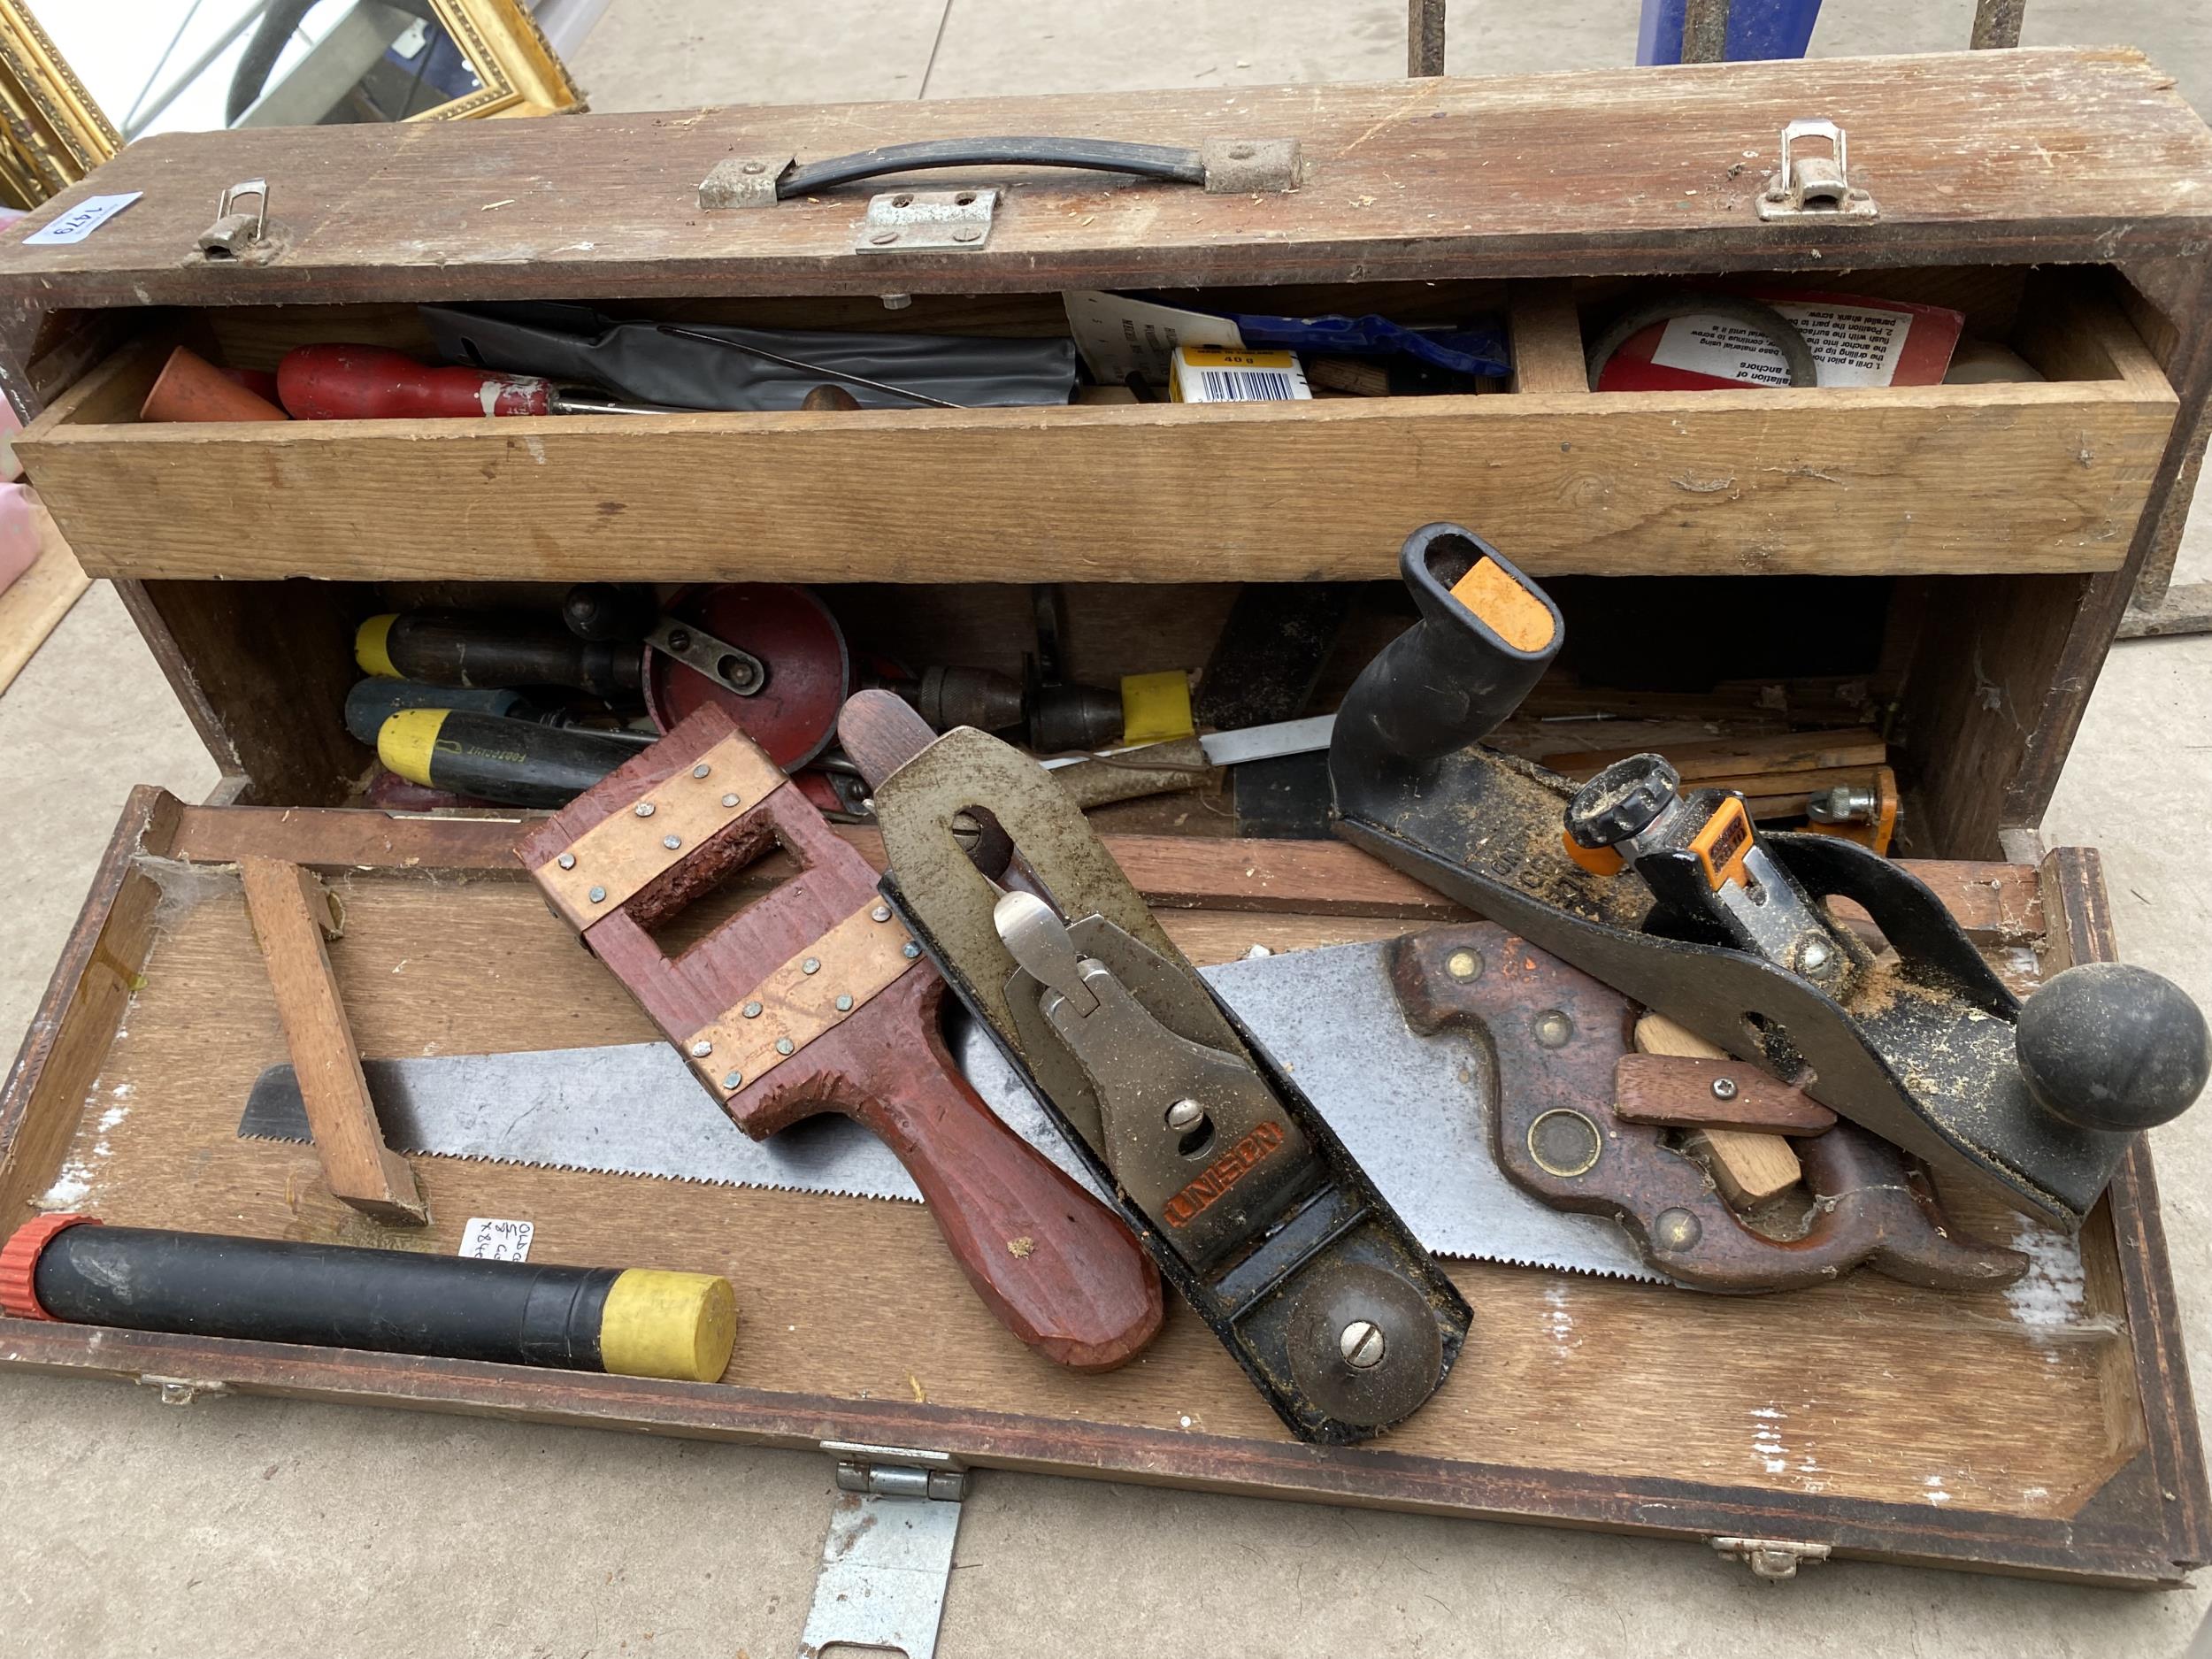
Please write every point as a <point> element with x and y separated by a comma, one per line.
<point>254,1526</point>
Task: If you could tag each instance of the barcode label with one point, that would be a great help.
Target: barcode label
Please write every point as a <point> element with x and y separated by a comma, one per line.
<point>1246,385</point>
<point>494,1240</point>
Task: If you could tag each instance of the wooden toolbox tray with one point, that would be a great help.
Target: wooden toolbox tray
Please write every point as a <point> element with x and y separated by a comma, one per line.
<point>1949,562</point>
<point>1856,1419</point>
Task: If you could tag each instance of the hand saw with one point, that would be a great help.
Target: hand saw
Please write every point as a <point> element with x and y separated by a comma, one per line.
<point>1415,1096</point>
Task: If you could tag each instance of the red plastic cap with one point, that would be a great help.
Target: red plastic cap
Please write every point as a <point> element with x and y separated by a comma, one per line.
<point>19,1261</point>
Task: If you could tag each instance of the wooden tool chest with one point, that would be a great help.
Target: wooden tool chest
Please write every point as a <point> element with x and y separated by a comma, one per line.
<point>1947,563</point>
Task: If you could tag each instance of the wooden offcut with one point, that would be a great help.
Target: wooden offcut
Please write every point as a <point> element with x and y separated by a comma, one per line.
<point>292,912</point>
<point>1748,1169</point>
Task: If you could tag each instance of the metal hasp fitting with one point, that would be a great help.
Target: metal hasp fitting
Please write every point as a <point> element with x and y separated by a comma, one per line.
<point>1679,903</point>
<point>1814,187</point>
<point>1246,1199</point>
<point>235,232</point>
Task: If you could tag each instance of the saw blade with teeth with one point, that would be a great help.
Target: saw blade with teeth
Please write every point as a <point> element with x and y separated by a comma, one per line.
<point>1414,1111</point>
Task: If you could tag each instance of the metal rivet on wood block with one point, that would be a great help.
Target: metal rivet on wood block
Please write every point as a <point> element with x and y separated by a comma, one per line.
<point>742,181</point>
<point>732,1080</point>
<point>567,861</point>
<point>645,808</point>
<point>844,1002</point>
<point>881,913</point>
<point>701,769</point>
<point>752,1010</point>
<point>911,951</point>
<point>702,1048</point>
<point>598,895</point>
<point>784,1045</point>
<point>729,800</point>
<point>812,965</point>
<point>672,842</point>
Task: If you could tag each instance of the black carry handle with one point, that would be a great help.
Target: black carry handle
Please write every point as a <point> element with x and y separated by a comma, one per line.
<point>1165,162</point>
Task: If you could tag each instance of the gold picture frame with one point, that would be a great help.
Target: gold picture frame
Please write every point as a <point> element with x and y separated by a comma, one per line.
<point>55,132</point>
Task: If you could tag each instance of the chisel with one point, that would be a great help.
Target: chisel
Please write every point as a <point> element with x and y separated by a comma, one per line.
<point>339,382</point>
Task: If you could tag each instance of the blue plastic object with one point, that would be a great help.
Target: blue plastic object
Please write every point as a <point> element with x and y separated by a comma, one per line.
<point>1756,28</point>
<point>1476,350</point>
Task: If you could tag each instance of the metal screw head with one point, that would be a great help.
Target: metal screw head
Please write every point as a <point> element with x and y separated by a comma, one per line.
<point>1552,1028</point>
<point>1723,1088</point>
<point>1675,1230</point>
<point>672,842</point>
<point>881,913</point>
<point>784,1045</point>
<point>567,861</point>
<point>701,769</point>
<point>732,1080</point>
<point>884,238</point>
<point>1462,964</point>
<point>1185,1114</point>
<point>644,808</point>
<point>702,1048</point>
<point>812,965</point>
<point>1814,956</point>
<point>967,232</point>
<point>729,800</point>
<point>752,1010</point>
<point>911,951</point>
<point>752,166</point>
<point>1361,1342</point>
<point>598,895</point>
<point>844,1002</point>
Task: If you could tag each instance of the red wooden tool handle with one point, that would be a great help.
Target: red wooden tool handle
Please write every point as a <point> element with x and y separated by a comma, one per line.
<point>1060,1270</point>
<point>338,382</point>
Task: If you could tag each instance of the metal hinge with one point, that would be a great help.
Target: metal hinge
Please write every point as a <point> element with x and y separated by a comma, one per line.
<point>1773,1559</point>
<point>182,1391</point>
<point>1814,187</point>
<point>888,1554</point>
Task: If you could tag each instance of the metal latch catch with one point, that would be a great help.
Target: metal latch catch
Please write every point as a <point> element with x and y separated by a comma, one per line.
<point>916,221</point>
<point>236,234</point>
<point>1814,187</point>
<point>1775,1560</point>
<point>888,1554</point>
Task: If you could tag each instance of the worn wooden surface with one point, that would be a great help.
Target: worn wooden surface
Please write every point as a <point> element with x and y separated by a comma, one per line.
<point>100,970</point>
<point>1801,1429</point>
<point>1850,480</point>
<point>2089,153</point>
<point>292,913</point>
<point>1996,903</point>
<point>853,1297</point>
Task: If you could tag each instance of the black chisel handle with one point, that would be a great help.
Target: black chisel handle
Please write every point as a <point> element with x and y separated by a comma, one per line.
<point>460,648</point>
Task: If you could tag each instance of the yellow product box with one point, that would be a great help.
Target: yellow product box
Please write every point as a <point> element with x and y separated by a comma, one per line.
<point>1230,374</point>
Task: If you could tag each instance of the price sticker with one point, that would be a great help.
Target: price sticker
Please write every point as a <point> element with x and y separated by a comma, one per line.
<point>493,1240</point>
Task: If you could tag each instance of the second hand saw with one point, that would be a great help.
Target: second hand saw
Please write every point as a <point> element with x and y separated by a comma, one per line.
<point>1540,1184</point>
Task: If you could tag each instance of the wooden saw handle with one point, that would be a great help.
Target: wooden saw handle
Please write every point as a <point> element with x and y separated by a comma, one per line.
<point>1058,1269</point>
